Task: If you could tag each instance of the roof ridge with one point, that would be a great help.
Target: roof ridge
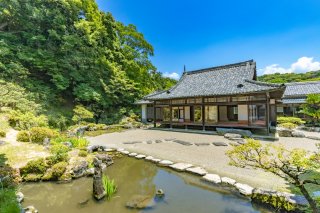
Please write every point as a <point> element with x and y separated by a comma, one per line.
<point>303,82</point>
<point>264,83</point>
<point>220,67</point>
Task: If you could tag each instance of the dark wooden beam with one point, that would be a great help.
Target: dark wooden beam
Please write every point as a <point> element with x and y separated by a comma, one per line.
<point>154,115</point>
<point>170,106</point>
<point>203,116</point>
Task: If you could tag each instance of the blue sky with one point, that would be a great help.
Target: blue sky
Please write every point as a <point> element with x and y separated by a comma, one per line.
<point>281,35</point>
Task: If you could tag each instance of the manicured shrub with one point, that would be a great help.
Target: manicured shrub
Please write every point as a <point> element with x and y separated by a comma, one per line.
<point>83,153</point>
<point>59,153</point>
<point>32,177</point>
<point>38,134</point>
<point>25,121</point>
<point>76,142</point>
<point>294,120</point>
<point>288,125</point>
<point>38,166</point>
<point>2,134</point>
<point>23,136</point>
<point>58,169</point>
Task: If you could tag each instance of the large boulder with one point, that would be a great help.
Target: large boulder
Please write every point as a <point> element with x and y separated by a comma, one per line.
<point>79,169</point>
<point>20,197</point>
<point>30,209</point>
<point>98,189</point>
<point>244,189</point>
<point>284,132</point>
<point>242,132</point>
<point>105,158</point>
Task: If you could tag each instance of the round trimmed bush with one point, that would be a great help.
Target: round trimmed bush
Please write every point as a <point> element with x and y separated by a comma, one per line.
<point>23,136</point>
<point>58,169</point>
<point>2,134</point>
<point>38,166</point>
<point>38,134</point>
<point>83,153</point>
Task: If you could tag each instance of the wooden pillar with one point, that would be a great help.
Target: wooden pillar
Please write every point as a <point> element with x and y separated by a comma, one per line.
<point>203,116</point>
<point>154,114</point>
<point>268,111</point>
<point>170,107</point>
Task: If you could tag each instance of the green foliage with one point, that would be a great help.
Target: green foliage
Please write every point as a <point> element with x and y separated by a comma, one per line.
<point>38,166</point>
<point>312,107</point>
<point>25,121</point>
<point>288,125</point>
<point>58,169</point>
<point>59,152</point>
<point>292,165</point>
<point>58,122</point>
<point>58,53</point>
<point>2,134</point>
<point>32,177</point>
<point>75,141</point>
<point>81,113</point>
<point>294,120</point>
<point>8,201</point>
<point>23,136</point>
<point>109,186</point>
<point>83,153</point>
<point>95,127</point>
<point>278,202</point>
<point>290,77</point>
<point>38,134</point>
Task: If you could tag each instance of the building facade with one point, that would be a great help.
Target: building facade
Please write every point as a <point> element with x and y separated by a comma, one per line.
<point>223,96</point>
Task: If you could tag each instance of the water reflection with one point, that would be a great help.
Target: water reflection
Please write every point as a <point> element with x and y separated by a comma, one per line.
<point>183,193</point>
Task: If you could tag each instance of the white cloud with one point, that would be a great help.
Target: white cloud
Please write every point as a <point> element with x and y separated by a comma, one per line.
<point>302,65</point>
<point>172,75</point>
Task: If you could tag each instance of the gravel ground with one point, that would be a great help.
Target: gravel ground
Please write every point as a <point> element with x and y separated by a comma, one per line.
<point>210,157</point>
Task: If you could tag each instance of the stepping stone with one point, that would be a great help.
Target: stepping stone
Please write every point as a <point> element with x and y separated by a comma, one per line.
<point>149,158</point>
<point>133,154</point>
<point>212,178</point>
<point>155,160</point>
<point>159,141</point>
<point>227,180</point>
<point>202,144</point>
<point>244,189</point>
<point>169,139</point>
<point>234,144</point>
<point>185,143</point>
<point>197,171</point>
<point>125,152</point>
<point>140,156</point>
<point>313,137</point>
<point>180,166</point>
<point>165,163</point>
<point>120,149</point>
<point>232,135</point>
<point>109,150</point>
<point>220,144</point>
<point>132,142</point>
<point>241,141</point>
<point>149,142</point>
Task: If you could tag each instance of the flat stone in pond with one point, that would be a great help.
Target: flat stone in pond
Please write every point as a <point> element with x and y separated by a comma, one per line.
<point>212,178</point>
<point>227,180</point>
<point>109,150</point>
<point>220,144</point>
<point>180,166</point>
<point>158,141</point>
<point>155,160</point>
<point>133,154</point>
<point>140,156</point>
<point>165,163</point>
<point>140,202</point>
<point>185,143</point>
<point>120,149</point>
<point>125,152</point>
<point>244,189</point>
<point>149,157</point>
<point>149,142</point>
<point>202,144</point>
<point>197,171</point>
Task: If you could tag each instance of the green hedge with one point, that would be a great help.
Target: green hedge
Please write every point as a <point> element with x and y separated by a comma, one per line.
<point>36,134</point>
<point>294,120</point>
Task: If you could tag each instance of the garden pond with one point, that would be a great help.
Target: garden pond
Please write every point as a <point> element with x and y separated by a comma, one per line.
<point>184,193</point>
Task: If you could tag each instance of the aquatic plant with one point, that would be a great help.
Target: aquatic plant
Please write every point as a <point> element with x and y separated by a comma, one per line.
<point>109,186</point>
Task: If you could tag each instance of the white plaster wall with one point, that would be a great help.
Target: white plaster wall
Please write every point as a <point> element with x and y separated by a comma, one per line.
<point>144,112</point>
<point>242,112</point>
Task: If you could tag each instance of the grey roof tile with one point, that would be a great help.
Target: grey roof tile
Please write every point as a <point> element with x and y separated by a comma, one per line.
<point>232,79</point>
<point>301,89</point>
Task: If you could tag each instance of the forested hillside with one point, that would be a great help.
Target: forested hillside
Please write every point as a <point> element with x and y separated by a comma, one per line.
<point>61,53</point>
<point>290,77</point>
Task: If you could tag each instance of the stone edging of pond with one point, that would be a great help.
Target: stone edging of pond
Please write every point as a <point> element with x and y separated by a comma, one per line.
<point>263,196</point>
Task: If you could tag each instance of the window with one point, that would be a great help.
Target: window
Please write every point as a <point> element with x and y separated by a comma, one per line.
<point>191,101</point>
<point>211,114</point>
<point>210,100</point>
<point>224,99</point>
<point>228,113</point>
<point>198,100</point>
<point>179,101</point>
<point>166,114</point>
<point>257,114</point>
<point>258,98</point>
<point>240,98</point>
<point>175,113</point>
<point>197,114</point>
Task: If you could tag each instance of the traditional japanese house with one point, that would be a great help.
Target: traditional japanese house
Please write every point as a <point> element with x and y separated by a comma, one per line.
<point>223,96</point>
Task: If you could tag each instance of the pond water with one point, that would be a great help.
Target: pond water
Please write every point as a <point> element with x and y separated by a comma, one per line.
<point>184,193</point>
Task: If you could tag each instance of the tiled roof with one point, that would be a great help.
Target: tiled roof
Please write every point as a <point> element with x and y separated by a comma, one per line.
<point>301,89</point>
<point>232,79</point>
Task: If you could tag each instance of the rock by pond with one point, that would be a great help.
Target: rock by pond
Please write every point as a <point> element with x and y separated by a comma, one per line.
<point>140,202</point>
<point>30,209</point>
<point>98,189</point>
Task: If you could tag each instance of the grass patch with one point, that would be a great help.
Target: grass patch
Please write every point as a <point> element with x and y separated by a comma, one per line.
<point>8,201</point>
<point>109,186</point>
<point>104,131</point>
